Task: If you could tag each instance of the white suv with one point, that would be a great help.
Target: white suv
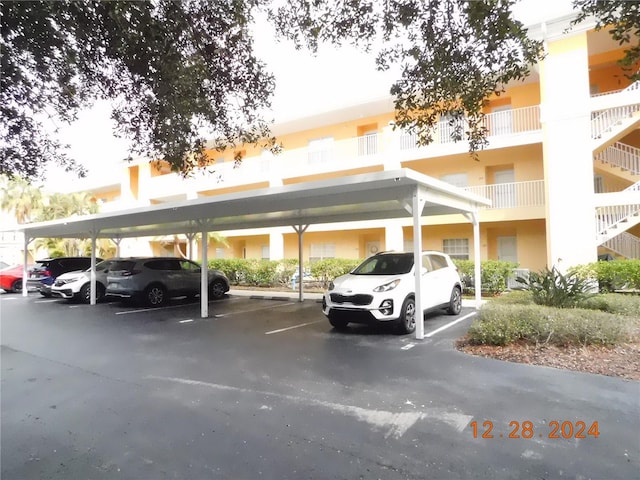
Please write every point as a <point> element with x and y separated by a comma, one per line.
<point>381,289</point>
<point>77,285</point>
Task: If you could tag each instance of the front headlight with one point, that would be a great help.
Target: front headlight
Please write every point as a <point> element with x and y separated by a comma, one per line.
<point>387,286</point>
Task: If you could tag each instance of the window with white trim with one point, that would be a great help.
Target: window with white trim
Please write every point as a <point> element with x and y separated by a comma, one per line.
<point>219,252</point>
<point>456,248</point>
<point>265,252</point>
<point>456,179</point>
<point>320,251</point>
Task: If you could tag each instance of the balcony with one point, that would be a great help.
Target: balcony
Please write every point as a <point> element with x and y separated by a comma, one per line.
<point>512,195</point>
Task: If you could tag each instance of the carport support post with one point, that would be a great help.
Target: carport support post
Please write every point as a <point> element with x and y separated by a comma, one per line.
<point>300,231</point>
<point>117,241</point>
<point>190,237</point>
<point>93,268</point>
<point>477,277</point>
<point>25,262</point>
<point>416,210</point>
<point>204,276</point>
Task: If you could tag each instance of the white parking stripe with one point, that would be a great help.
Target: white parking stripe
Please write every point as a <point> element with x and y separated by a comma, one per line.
<point>220,315</point>
<point>451,324</point>
<point>186,321</point>
<point>291,328</point>
<point>46,301</point>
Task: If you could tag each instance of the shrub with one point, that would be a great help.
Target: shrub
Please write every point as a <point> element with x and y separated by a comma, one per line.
<point>611,276</point>
<point>552,288</point>
<point>516,297</point>
<point>494,275</point>
<point>618,303</point>
<point>328,269</point>
<point>501,324</point>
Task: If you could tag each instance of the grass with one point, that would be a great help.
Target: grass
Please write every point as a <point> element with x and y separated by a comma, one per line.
<point>608,320</point>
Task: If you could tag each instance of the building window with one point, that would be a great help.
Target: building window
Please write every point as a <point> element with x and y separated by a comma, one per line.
<point>219,252</point>
<point>460,180</point>
<point>320,251</point>
<point>456,248</point>
<point>265,252</point>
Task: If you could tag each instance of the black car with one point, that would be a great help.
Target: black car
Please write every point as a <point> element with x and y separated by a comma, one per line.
<point>45,272</point>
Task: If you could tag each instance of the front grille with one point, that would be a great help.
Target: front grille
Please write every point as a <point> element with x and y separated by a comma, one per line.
<point>353,299</point>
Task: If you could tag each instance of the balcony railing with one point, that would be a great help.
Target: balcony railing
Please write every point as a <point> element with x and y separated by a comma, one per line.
<point>506,122</point>
<point>512,195</point>
<point>606,120</point>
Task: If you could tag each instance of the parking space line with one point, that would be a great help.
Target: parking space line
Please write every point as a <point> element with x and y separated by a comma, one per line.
<point>126,312</point>
<point>47,301</point>
<point>186,321</point>
<point>451,324</point>
<point>220,315</point>
<point>291,328</point>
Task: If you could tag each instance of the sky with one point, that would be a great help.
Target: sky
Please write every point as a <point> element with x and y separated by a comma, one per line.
<point>334,77</point>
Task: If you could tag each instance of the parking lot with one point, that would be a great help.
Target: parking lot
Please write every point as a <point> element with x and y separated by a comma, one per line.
<point>266,388</point>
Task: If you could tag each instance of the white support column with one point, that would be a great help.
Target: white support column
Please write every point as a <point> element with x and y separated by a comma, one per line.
<point>416,210</point>
<point>300,231</point>
<point>117,241</point>
<point>204,275</point>
<point>568,153</point>
<point>393,236</point>
<point>25,262</point>
<point>276,246</point>
<point>93,268</point>
<point>477,277</point>
<point>190,236</point>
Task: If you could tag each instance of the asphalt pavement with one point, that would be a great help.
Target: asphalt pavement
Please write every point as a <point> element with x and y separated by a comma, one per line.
<point>265,388</point>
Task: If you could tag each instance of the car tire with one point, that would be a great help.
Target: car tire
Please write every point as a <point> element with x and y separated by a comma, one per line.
<point>338,322</point>
<point>85,293</point>
<point>155,295</point>
<point>407,320</point>
<point>16,286</point>
<point>455,302</point>
<point>217,289</point>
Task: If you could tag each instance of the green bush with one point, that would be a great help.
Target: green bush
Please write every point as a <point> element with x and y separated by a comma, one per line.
<point>515,297</point>
<point>494,275</point>
<point>554,289</point>
<point>618,303</point>
<point>501,324</point>
<point>328,269</point>
<point>611,276</point>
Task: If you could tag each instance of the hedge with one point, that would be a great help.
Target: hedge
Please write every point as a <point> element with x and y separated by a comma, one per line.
<point>494,275</point>
<point>613,275</point>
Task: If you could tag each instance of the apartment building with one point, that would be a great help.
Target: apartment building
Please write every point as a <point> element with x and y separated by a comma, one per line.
<point>562,169</point>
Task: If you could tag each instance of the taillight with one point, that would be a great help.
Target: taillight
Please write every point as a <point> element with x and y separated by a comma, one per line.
<point>46,273</point>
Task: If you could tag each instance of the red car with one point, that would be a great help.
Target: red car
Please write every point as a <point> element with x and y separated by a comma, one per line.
<point>11,278</point>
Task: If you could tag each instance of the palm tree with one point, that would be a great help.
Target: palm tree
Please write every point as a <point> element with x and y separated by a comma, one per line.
<point>19,197</point>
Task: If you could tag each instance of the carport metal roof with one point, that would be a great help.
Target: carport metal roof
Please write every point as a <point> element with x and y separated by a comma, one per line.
<point>370,196</point>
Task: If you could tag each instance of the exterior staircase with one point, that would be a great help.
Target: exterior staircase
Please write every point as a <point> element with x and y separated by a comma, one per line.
<point>619,211</point>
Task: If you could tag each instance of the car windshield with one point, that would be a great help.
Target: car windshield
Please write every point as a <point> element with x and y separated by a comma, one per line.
<point>387,264</point>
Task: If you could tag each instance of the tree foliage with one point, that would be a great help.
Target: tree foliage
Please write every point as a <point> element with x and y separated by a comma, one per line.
<point>623,20</point>
<point>181,73</point>
<point>453,54</point>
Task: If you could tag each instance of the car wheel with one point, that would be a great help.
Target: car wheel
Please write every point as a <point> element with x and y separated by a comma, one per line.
<point>16,286</point>
<point>408,316</point>
<point>338,322</point>
<point>455,303</point>
<point>85,292</point>
<point>155,295</point>
<point>217,289</point>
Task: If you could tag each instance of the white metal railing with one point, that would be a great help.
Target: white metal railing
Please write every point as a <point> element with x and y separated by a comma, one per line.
<point>506,122</point>
<point>512,281</point>
<point>368,144</point>
<point>623,156</point>
<point>624,244</point>
<point>611,216</point>
<point>512,195</point>
<point>605,120</point>
<point>633,188</point>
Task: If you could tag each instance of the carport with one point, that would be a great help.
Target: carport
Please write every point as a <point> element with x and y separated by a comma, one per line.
<point>371,196</point>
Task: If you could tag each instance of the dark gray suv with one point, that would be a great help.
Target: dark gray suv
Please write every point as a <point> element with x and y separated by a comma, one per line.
<point>155,279</point>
